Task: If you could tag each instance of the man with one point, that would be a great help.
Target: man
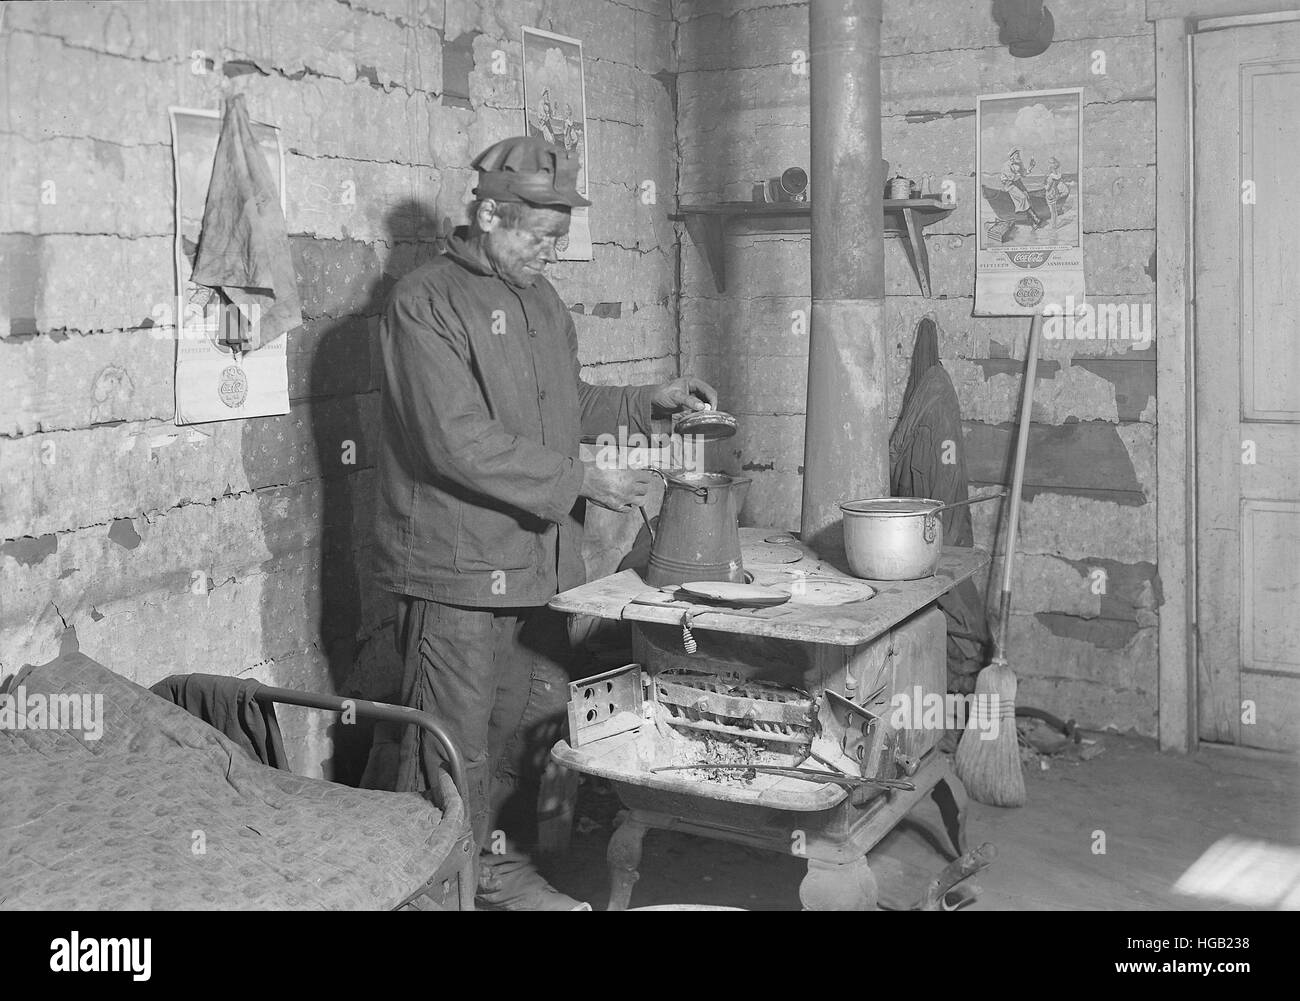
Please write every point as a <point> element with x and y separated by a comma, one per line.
<point>481,489</point>
<point>1013,183</point>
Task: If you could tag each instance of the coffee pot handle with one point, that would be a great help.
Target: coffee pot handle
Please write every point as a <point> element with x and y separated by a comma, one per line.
<point>669,481</point>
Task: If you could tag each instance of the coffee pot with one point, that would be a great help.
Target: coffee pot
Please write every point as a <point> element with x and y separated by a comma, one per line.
<point>698,536</point>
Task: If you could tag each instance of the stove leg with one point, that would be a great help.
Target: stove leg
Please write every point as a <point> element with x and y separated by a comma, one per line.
<point>624,856</point>
<point>847,886</point>
<point>951,798</point>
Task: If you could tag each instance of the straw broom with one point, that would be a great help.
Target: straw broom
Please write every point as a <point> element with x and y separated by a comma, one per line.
<point>990,769</point>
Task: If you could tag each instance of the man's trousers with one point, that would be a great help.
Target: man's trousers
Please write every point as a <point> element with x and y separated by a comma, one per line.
<point>499,678</point>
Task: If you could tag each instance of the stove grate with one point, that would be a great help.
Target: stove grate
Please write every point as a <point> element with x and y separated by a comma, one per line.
<point>731,707</point>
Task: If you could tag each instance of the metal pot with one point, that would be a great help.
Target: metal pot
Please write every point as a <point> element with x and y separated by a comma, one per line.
<point>897,538</point>
<point>893,538</point>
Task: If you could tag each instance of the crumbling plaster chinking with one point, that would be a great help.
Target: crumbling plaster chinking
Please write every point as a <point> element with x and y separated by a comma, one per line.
<point>242,547</point>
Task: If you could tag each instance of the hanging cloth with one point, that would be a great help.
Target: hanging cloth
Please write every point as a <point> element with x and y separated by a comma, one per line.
<point>244,244</point>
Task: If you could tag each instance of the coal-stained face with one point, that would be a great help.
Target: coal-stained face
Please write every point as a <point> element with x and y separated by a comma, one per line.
<point>522,239</point>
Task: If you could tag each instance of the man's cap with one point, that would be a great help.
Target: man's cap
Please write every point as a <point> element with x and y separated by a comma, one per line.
<point>1014,151</point>
<point>528,169</point>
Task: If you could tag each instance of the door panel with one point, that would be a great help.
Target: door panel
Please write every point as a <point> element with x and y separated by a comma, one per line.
<point>1270,378</point>
<point>1247,224</point>
<point>1270,588</point>
<point>1270,625</point>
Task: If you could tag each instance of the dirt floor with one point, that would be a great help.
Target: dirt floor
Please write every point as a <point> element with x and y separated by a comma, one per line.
<point>1158,812</point>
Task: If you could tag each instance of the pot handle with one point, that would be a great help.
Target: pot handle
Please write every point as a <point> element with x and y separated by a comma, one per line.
<point>969,500</point>
<point>930,518</point>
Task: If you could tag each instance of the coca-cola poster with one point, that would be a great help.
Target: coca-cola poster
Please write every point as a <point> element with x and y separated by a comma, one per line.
<point>555,108</point>
<point>1029,230</point>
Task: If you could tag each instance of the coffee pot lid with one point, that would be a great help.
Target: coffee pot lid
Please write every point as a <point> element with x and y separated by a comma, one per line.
<point>699,481</point>
<point>708,425</point>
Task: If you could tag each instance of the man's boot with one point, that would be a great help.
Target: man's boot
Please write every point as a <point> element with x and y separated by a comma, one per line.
<point>509,881</point>
<point>507,878</point>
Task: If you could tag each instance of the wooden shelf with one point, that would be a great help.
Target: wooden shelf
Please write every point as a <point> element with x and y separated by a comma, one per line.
<point>904,219</point>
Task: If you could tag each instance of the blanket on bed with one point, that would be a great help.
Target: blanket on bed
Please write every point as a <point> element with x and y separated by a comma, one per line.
<point>163,812</point>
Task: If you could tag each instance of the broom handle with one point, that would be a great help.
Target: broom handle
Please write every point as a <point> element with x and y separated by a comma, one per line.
<point>1017,484</point>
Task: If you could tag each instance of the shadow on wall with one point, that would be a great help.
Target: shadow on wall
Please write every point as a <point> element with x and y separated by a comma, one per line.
<point>335,380</point>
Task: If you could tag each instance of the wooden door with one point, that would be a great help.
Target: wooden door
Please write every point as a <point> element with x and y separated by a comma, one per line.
<point>1247,345</point>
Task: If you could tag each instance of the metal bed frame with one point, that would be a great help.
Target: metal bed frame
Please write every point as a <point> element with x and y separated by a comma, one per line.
<point>453,883</point>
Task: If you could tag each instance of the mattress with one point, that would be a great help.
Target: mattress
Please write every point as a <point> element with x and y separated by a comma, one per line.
<point>163,812</point>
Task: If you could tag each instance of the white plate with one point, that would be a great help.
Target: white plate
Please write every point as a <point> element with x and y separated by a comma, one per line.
<point>746,595</point>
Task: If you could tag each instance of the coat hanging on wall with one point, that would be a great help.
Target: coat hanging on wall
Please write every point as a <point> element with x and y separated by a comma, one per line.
<point>926,460</point>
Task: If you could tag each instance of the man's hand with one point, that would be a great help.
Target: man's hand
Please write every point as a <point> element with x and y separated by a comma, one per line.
<point>686,393</point>
<point>616,489</point>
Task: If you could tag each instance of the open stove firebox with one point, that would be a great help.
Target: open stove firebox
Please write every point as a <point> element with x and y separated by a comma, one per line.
<point>709,726</point>
<point>778,730</point>
<point>728,722</point>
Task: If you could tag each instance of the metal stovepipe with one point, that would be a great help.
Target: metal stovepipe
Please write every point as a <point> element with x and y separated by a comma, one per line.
<point>846,437</point>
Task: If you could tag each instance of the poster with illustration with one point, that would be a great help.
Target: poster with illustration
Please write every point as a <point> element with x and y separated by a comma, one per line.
<point>555,108</point>
<point>214,383</point>
<point>1029,251</point>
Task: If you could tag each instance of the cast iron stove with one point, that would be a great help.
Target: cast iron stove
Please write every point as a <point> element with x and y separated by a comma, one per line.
<point>803,684</point>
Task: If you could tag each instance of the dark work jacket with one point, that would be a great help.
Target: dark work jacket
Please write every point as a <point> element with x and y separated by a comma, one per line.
<point>228,705</point>
<point>927,459</point>
<point>483,410</point>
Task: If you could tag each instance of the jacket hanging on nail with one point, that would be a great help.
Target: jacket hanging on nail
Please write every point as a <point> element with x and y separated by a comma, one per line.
<point>926,459</point>
<point>244,244</point>
<point>228,704</point>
